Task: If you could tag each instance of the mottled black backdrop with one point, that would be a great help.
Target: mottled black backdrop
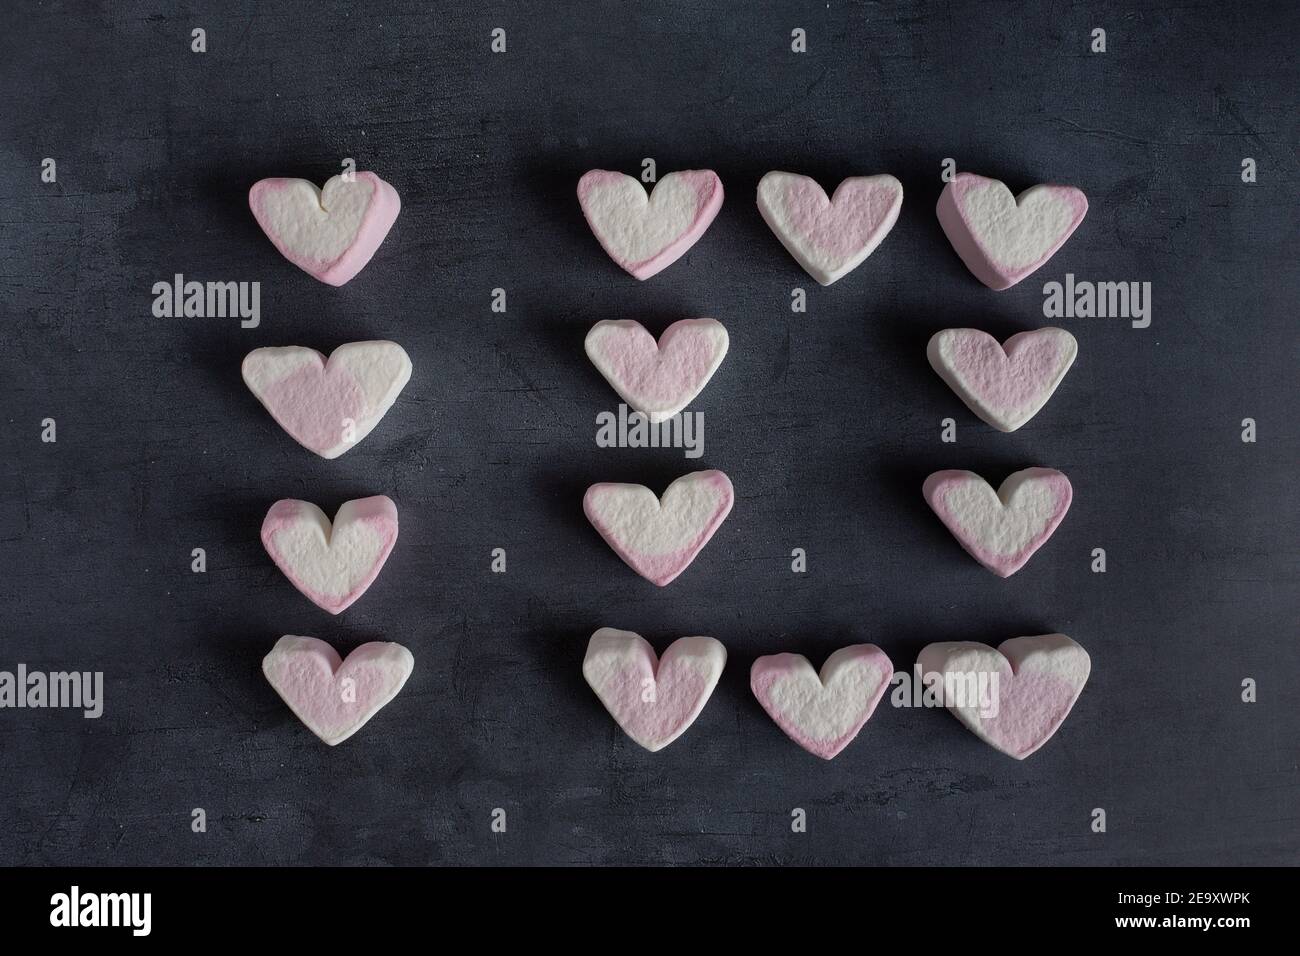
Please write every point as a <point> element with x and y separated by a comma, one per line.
<point>827,423</point>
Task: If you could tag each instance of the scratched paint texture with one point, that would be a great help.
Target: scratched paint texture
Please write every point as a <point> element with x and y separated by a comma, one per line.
<point>827,422</point>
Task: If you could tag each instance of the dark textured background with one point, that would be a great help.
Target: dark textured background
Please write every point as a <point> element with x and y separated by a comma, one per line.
<point>826,422</point>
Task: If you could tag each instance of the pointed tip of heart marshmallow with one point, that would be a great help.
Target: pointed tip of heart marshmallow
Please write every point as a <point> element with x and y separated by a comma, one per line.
<point>330,233</point>
<point>328,405</point>
<point>630,519</point>
<point>301,540</point>
<point>1038,681</point>
<point>1004,384</point>
<point>822,712</point>
<point>646,233</point>
<point>653,699</point>
<point>1003,238</point>
<point>1000,529</point>
<point>305,672</point>
<point>829,237</point>
<point>657,379</point>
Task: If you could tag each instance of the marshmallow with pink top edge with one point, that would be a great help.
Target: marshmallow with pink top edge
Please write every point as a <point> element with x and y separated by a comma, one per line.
<point>658,379</point>
<point>660,537</point>
<point>653,699</point>
<point>1003,238</point>
<point>646,234</point>
<point>328,405</point>
<point>1000,529</point>
<point>823,712</point>
<point>334,697</point>
<point>329,233</point>
<point>829,237</point>
<point>1005,385</point>
<point>331,563</point>
<point>1013,698</point>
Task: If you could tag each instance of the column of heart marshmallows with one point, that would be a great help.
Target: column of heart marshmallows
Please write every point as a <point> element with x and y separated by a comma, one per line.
<point>329,405</point>
<point>1002,238</point>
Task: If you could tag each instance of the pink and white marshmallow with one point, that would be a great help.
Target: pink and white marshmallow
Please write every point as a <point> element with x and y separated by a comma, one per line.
<point>1000,529</point>
<point>331,563</point>
<point>645,234</point>
<point>829,237</point>
<point>823,712</point>
<point>658,379</point>
<point>1004,238</point>
<point>653,699</point>
<point>1007,384</point>
<point>334,697</point>
<point>328,405</point>
<point>660,537</point>
<point>330,233</point>
<point>1013,698</point>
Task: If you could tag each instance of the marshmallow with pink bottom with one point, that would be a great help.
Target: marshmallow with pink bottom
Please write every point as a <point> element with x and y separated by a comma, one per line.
<point>328,405</point>
<point>332,696</point>
<point>823,712</point>
<point>1015,697</point>
<point>1007,384</point>
<point>1000,529</point>
<point>660,537</point>
<point>658,379</point>
<point>331,563</point>
<point>1004,238</point>
<point>829,237</point>
<point>653,699</point>
<point>643,233</point>
<point>329,233</point>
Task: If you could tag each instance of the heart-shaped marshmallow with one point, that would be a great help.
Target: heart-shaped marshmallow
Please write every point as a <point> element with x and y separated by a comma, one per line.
<point>1006,384</point>
<point>646,234</point>
<point>334,697</point>
<point>327,406</point>
<point>829,237</point>
<point>1001,529</point>
<point>1003,238</point>
<point>329,233</point>
<point>822,713</point>
<point>659,538</point>
<point>653,699</point>
<point>1013,698</point>
<point>331,564</point>
<point>658,379</point>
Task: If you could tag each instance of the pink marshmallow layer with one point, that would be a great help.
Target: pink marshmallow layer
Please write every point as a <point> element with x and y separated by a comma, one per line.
<point>654,700</point>
<point>1039,681</point>
<point>660,543</point>
<point>320,402</point>
<point>1004,238</point>
<point>337,270</point>
<point>617,221</point>
<point>334,697</point>
<point>1007,384</point>
<point>658,379</point>
<point>829,237</point>
<point>999,529</point>
<point>368,524</point>
<point>823,712</point>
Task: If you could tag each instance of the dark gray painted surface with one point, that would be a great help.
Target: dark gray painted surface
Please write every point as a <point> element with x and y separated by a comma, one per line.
<point>826,422</point>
